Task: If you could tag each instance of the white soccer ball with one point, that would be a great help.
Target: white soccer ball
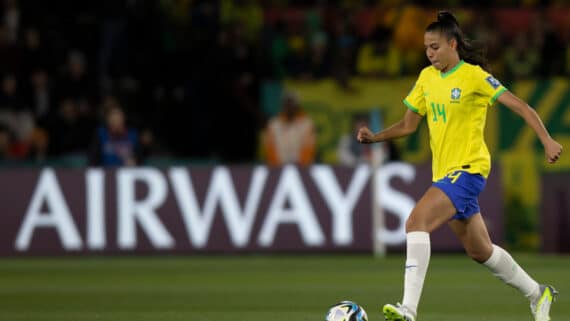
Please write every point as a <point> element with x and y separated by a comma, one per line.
<point>346,311</point>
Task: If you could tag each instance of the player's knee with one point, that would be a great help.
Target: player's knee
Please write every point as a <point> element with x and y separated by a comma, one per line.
<point>479,255</point>
<point>413,224</point>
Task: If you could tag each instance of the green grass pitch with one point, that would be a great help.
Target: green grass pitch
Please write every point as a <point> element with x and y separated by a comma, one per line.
<point>261,288</point>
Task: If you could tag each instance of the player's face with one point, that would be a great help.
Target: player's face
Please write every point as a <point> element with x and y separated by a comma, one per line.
<point>439,50</point>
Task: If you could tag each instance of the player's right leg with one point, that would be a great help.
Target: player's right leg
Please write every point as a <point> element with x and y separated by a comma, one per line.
<point>397,312</point>
<point>432,210</point>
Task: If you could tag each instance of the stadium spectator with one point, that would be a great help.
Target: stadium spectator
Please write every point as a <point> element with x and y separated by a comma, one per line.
<point>278,50</point>
<point>75,83</point>
<point>13,111</point>
<point>249,14</point>
<point>12,19</point>
<point>298,52</point>
<point>378,56</point>
<point>236,95</point>
<point>548,42</point>
<point>10,150</point>
<point>408,21</point>
<point>115,144</point>
<point>34,54</point>
<point>344,47</point>
<point>9,53</point>
<point>290,136</point>
<point>319,60</point>
<point>113,50</point>
<point>40,95</point>
<point>38,147</point>
<point>522,59</point>
<point>483,30</point>
<point>174,62</point>
<point>69,130</point>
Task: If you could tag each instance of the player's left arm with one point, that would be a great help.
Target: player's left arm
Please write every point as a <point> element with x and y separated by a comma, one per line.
<point>552,148</point>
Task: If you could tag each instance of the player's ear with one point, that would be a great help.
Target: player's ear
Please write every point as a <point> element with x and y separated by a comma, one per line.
<point>453,43</point>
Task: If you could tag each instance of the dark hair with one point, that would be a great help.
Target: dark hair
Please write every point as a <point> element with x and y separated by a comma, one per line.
<point>448,25</point>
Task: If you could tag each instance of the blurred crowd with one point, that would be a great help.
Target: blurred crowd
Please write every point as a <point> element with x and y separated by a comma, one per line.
<point>114,82</point>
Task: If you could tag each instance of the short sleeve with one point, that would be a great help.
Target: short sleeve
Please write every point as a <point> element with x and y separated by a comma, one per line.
<point>488,86</point>
<point>415,101</point>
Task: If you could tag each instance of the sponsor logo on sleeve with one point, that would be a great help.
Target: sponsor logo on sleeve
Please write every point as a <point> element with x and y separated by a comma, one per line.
<point>493,82</point>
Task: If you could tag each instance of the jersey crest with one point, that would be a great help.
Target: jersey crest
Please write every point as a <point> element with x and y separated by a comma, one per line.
<point>455,93</point>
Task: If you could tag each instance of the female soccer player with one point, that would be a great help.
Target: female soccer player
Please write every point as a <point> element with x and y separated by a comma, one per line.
<point>453,94</point>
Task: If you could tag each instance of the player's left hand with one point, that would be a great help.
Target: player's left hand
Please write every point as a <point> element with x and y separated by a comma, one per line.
<point>552,149</point>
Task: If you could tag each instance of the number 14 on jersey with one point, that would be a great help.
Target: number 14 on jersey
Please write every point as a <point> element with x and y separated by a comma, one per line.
<point>438,112</point>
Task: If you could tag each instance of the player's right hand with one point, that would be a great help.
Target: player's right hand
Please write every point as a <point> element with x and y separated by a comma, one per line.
<point>365,136</point>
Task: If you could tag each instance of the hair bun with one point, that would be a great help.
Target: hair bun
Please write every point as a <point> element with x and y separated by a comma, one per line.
<point>447,17</point>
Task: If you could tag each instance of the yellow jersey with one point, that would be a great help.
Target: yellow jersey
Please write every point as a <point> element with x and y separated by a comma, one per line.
<point>455,105</point>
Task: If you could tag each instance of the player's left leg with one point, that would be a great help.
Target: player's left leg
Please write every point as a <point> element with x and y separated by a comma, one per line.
<point>475,239</point>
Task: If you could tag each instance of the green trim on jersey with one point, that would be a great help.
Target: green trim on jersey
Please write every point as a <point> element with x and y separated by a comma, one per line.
<point>452,70</point>
<point>499,93</point>
<point>412,108</point>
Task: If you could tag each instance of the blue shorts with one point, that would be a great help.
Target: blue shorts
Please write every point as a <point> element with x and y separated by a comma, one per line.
<point>462,188</point>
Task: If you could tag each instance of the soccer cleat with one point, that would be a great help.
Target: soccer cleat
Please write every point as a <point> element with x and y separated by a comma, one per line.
<point>397,313</point>
<point>541,307</point>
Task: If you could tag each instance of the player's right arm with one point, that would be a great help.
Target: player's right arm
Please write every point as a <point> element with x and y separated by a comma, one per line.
<point>415,101</point>
<point>406,126</point>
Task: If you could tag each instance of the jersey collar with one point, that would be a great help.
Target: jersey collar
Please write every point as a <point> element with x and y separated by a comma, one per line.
<point>452,70</point>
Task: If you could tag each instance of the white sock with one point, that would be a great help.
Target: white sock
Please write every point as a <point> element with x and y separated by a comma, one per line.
<point>503,266</point>
<point>417,261</point>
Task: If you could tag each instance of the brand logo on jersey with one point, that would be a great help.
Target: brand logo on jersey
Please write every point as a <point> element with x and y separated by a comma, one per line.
<point>493,82</point>
<point>455,93</point>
